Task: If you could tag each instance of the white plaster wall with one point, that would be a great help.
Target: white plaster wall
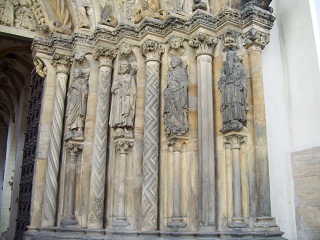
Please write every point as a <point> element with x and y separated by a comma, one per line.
<point>292,86</point>
<point>301,62</point>
<point>279,143</point>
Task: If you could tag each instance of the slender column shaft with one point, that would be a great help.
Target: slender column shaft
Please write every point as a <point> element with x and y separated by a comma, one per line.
<point>153,51</point>
<point>237,196</point>
<point>71,184</point>
<point>98,173</point>
<point>260,132</point>
<point>122,186</point>
<point>51,189</point>
<point>177,184</point>
<point>206,140</point>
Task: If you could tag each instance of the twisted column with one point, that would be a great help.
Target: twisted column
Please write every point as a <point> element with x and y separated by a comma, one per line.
<point>255,42</point>
<point>62,63</point>
<point>73,152</point>
<point>152,51</point>
<point>204,46</point>
<point>97,181</point>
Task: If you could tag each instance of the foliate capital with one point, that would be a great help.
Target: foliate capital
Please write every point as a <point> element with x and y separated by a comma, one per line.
<point>203,44</point>
<point>234,141</point>
<point>255,40</point>
<point>74,148</point>
<point>62,62</point>
<point>122,145</point>
<point>152,50</point>
<point>105,55</point>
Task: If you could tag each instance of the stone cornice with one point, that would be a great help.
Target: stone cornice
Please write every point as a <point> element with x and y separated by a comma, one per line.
<point>251,15</point>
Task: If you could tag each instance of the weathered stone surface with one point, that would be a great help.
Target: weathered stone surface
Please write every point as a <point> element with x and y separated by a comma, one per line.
<point>306,174</point>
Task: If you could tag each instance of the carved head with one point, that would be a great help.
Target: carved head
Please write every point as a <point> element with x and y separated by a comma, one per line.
<point>79,55</point>
<point>124,67</point>
<point>145,5</point>
<point>175,42</point>
<point>175,62</point>
<point>125,49</point>
<point>230,41</point>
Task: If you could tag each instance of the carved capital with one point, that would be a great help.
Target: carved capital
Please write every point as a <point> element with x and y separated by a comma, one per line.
<point>41,68</point>
<point>152,50</point>
<point>203,44</point>
<point>255,40</point>
<point>234,141</point>
<point>177,143</point>
<point>105,56</point>
<point>122,145</point>
<point>74,149</point>
<point>62,62</point>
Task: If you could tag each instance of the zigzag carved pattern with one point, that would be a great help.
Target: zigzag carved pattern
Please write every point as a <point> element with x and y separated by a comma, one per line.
<point>151,148</point>
<point>51,190</point>
<point>95,218</point>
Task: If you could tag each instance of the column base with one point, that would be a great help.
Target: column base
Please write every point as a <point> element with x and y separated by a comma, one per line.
<point>237,223</point>
<point>69,222</point>
<point>175,224</point>
<point>265,222</point>
<point>120,222</point>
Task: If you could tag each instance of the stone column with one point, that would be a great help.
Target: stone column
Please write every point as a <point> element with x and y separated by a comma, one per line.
<point>235,140</point>
<point>177,220</point>
<point>204,49</point>
<point>62,63</point>
<point>255,42</point>
<point>73,150</point>
<point>97,182</point>
<point>152,51</point>
<point>122,147</point>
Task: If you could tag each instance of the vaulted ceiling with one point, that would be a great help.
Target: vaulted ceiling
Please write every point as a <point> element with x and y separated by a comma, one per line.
<point>15,69</point>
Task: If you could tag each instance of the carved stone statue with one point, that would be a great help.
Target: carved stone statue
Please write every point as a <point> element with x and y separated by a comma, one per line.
<point>176,6</point>
<point>198,4</point>
<point>176,48</point>
<point>233,85</point>
<point>8,6</point>
<point>107,17</point>
<point>147,11</point>
<point>63,24</point>
<point>176,100</point>
<point>123,101</point>
<point>41,69</point>
<point>25,19</point>
<point>77,105</point>
<point>127,8</point>
<point>85,12</point>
